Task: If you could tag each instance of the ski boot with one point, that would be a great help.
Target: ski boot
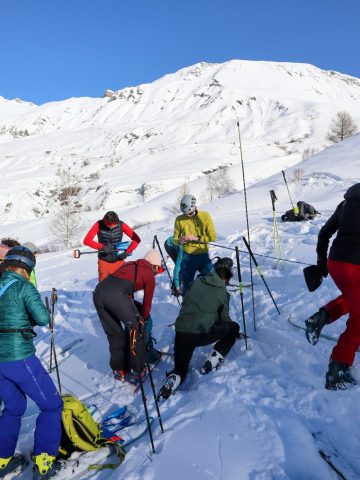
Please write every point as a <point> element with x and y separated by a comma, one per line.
<point>13,464</point>
<point>214,360</point>
<point>171,383</point>
<point>133,377</point>
<point>45,466</point>
<point>152,355</point>
<point>338,376</point>
<point>119,375</point>
<point>315,324</point>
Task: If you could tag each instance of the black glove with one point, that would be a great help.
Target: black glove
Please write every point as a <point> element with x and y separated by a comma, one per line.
<point>322,265</point>
<point>122,256</point>
<point>107,249</point>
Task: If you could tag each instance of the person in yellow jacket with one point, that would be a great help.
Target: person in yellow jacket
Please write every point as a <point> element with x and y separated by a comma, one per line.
<point>191,227</point>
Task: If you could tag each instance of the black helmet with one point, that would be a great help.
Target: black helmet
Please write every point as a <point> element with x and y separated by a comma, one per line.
<point>20,257</point>
<point>224,262</point>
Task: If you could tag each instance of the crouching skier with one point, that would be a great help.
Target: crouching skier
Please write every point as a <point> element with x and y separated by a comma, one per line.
<point>119,316</point>
<point>21,373</point>
<point>203,319</point>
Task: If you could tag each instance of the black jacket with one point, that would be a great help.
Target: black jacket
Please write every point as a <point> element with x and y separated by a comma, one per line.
<point>346,222</point>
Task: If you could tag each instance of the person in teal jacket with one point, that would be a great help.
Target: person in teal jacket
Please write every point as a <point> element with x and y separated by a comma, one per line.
<point>21,373</point>
<point>175,252</point>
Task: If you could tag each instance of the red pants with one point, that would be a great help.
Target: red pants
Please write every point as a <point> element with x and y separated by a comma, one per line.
<point>347,278</point>
<point>105,268</point>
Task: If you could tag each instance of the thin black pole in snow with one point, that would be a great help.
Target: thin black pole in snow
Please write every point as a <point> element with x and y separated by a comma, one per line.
<point>282,171</point>
<point>247,223</point>
<point>241,293</point>
<point>53,301</point>
<point>153,389</point>
<point>156,242</point>
<point>260,273</point>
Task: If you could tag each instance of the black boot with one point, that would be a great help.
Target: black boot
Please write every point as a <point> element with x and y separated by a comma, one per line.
<point>315,324</point>
<point>170,384</point>
<point>338,376</point>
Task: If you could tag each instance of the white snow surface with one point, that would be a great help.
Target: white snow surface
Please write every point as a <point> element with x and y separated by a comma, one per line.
<point>253,418</point>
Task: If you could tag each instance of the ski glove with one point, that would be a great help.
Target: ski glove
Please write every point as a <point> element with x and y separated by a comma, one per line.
<point>122,256</point>
<point>107,248</point>
<point>322,265</point>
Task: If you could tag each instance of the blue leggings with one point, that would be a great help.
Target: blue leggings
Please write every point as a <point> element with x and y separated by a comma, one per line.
<point>23,378</point>
<point>194,263</point>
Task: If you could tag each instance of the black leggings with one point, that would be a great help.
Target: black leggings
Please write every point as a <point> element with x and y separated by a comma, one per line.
<point>224,334</point>
<point>118,314</point>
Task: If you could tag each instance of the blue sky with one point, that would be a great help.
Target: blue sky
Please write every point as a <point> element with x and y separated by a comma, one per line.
<point>56,49</point>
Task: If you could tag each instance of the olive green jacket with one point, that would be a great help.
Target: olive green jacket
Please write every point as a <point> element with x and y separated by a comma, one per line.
<point>206,302</point>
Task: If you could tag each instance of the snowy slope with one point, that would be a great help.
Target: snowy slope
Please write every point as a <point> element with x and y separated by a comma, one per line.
<point>143,142</point>
<point>254,418</point>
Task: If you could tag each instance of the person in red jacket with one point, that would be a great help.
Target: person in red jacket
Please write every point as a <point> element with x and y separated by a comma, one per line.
<point>110,232</point>
<point>115,305</point>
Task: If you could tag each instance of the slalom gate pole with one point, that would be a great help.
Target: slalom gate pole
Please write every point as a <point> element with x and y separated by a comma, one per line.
<point>241,293</point>
<point>247,224</point>
<point>53,301</point>
<point>153,389</point>
<point>260,273</point>
<point>276,232</point>
<point>156,242</point>
<point>296,210</point>
<point>144,403</point>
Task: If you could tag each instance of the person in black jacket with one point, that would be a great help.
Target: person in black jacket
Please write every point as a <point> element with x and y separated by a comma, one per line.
<point>343,265</point>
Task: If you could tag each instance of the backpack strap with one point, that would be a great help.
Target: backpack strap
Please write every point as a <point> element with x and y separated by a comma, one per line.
<point>136,272</point>
<point>7,285</point>
<point>27,333</point>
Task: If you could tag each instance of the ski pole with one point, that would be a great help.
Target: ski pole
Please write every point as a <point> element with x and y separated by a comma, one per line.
<point>260,273</point>
<point>276,231</point>
<point>156,242</point>
<point>153,388</point>
<point>296,210</point>
<point>241,293</point>
<point>144,401</point>
<point>247,224</point>
<point>51,328</point>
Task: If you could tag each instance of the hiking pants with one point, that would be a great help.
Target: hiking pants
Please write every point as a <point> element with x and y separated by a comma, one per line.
<point>336,308</point>
<point>347,278</point>
<point>23,378</point>
<point>224,334</point>
<point>192,263</point>
<point>118,316</point>
<point>106,268</point>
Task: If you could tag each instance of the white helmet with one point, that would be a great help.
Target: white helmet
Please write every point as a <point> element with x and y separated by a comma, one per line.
<point>188,204</point>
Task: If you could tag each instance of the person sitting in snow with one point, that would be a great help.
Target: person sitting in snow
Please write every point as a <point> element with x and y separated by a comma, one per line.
<point>114,302</point>
<point>343,264</point>
<point>302,211</point>
<point>203,319</point>
<point>110,232</point>
<point>21,373</point>
<point>192,227</point>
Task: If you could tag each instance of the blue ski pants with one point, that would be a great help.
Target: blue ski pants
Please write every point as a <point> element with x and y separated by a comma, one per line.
<point>19,379</point>
<point>192,263</point>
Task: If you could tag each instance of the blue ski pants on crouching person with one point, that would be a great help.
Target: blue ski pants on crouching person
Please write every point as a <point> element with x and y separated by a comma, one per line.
<point>19,379</point>
<point>192,263</point>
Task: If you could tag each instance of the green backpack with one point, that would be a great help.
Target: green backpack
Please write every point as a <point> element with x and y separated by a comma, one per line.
<point>80,433</point>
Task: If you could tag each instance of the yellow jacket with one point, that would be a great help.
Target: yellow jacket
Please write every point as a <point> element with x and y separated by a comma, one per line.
<point>200,225</point>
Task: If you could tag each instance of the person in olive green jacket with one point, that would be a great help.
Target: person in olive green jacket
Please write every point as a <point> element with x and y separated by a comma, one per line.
<point>203,319</point>
<point>191,227</point>
<point>21,373</point>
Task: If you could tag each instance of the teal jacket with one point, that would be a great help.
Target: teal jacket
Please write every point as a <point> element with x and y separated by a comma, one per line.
<point>177,264</point>
<point>206,302</point>
<point>21,306</point>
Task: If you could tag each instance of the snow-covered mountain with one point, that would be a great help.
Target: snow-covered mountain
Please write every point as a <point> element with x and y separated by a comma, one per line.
<point>144,142</point>
<point>255,418</point>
